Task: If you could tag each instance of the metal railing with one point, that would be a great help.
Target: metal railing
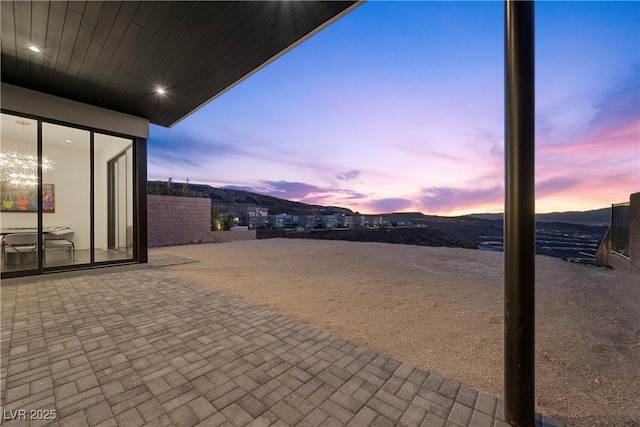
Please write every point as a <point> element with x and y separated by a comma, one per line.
<point>620,228</point>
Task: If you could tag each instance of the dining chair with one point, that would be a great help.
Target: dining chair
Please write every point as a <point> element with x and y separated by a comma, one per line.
<point>24,244</point>
<point>60,240</point>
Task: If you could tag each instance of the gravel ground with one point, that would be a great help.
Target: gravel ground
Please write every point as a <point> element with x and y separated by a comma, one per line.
<point>441,309</point>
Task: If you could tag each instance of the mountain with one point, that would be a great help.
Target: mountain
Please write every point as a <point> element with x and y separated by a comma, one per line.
<point>229,200</point>
<point>593,217</point>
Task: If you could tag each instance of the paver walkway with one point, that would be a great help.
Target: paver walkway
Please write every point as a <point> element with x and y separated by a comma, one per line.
<point>141,347</point>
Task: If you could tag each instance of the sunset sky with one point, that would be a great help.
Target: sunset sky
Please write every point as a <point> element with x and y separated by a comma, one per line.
<point>398,106</point>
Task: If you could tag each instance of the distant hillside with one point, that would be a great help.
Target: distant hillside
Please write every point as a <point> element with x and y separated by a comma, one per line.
<point>229,200</point>
<point>404,236</point>
<point>594,217</point>
<point>232,200</point>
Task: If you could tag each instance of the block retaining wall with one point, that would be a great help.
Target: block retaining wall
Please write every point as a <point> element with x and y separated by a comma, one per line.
<point>175,220</point>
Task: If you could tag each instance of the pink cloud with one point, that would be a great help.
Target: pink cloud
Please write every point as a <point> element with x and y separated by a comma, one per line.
<point>555,186</point>
<point>597,162</point>
<point>390,204</point>
<point>449,199</point>
<point>624,139</point>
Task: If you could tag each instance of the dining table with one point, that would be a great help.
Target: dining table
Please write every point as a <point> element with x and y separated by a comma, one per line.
<point>14,230</point>
<point>12,258</point>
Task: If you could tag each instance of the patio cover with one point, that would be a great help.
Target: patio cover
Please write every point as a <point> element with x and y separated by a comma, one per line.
<point>115,55</point>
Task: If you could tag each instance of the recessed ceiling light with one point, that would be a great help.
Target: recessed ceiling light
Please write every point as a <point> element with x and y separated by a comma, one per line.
<point>68,141</point>
<point>160,91</point>
<point>34,49</point>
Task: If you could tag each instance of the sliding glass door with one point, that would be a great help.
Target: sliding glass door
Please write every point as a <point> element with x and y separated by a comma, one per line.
<point>19,193</point>
<point>113,160</point>
<point>120,238</point>
<point>67,196</point>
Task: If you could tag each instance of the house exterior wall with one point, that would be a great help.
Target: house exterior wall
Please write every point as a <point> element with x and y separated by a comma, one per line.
<point>254,216</point>
<point>371,220</point>
<point>328,221</point>
<point>31,102</point>
<point>280,221</point>
<point>308,222</point>
<point>175,220</point>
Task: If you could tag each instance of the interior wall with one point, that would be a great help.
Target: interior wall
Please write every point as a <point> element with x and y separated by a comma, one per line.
<point>71,194</point>
<point>71,178</point>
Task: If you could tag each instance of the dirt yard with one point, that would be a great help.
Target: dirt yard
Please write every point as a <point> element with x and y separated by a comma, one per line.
<point>441,309</point>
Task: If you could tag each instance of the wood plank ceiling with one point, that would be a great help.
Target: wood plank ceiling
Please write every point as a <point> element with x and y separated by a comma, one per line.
<point>115,54</point>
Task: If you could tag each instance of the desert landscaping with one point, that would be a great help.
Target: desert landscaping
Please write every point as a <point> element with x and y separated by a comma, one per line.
<point>441,310</point>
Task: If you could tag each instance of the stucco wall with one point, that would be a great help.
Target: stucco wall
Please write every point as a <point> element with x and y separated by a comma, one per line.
<point>184,220</point>
<point>28,101</point>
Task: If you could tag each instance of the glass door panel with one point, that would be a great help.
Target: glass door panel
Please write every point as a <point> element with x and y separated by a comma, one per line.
<point>113,162</point>
<point>118,206</point>
<point>19,193</point>
<point>66,196</point>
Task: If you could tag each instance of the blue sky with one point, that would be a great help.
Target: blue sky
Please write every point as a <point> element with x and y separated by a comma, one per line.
<point>398,106</point>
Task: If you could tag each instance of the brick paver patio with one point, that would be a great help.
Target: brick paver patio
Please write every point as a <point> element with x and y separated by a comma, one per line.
<point>139,347</point>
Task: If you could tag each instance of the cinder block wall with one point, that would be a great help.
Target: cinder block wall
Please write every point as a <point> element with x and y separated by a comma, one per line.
<point>634,232</point>
<point>175,220</point>
<point>231,236</point>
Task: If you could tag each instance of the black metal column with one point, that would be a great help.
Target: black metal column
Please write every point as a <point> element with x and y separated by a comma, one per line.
<point>141,247</point>
<point>519,216</point>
